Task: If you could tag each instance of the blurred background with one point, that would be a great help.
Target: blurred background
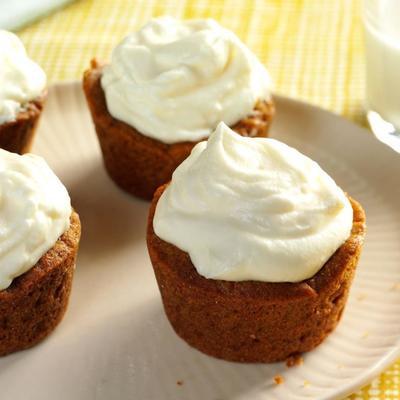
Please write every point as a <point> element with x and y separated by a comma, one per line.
<point>313,49</point>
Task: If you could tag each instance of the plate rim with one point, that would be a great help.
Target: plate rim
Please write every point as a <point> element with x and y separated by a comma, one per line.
<point>393,354</point>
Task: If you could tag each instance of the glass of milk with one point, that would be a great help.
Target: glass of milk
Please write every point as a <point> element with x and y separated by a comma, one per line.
<point>382,41</point>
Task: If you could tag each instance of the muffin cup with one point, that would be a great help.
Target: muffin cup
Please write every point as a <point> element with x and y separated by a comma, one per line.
<point>253,321</point>
<point>35,302</point>
<point>138,163</point>
<point>17,136</point>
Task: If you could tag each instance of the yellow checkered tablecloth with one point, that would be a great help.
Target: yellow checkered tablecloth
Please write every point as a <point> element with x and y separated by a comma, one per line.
<point>313,49</point>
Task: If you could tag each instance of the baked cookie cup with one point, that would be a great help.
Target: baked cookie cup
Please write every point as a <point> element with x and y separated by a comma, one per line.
<point>140,164</point>
<point>35,302</point>
<point>251,321</point>
<point>17,135</point>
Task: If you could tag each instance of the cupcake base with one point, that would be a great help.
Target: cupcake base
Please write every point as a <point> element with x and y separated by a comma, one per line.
<point>140,164</point>
<point>17,136</point>
<point>253,321</point>
<point>35,302</point>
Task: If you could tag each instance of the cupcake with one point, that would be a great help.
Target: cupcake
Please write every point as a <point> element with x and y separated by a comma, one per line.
<point>38,246</point>
<point>22,95</point>
<point>167,87</point>
<point>254,248</point>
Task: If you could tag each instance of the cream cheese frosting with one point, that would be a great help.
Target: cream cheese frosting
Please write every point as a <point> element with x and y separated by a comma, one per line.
<point>253,209</point>
<point>21,79</point>
<point>35,211</point>
<point>176,80</point>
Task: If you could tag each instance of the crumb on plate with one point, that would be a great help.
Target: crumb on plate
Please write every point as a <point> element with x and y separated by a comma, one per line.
<point>361,296</point>
<point>396,286</point>
<point>294,360</point>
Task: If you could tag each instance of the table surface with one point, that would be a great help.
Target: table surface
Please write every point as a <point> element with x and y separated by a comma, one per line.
<point>312,48</point>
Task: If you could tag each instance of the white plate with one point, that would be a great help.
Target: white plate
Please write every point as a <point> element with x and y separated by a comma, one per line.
<point>115,341</point>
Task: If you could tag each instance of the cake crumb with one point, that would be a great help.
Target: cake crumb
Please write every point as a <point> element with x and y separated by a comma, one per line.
<point>279,379</point>
<point>179,383</point>
<point>396,286</point>
<point>254,337</point>
<point>306,383</point>
<point>361,297</point>
<point>294,361</point>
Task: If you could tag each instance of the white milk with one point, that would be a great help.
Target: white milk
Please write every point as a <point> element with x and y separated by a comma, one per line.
<point>382,37</point>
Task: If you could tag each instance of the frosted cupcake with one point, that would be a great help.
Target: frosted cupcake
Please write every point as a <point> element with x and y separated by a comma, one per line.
<point>254,248</point>
<point>167,87</point>
<point>22,95</point>
<point>39,241</point>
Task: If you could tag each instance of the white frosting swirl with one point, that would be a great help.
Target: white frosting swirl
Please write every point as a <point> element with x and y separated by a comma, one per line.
<point>35,211</point>
<point>21,79</point>
<point>253,209</point>
<point>176,80</point>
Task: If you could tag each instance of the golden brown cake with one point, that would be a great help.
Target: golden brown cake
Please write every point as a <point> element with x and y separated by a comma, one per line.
<point>17,135</point>
<point>252,321</point>
<point>33,305</point>
<point>140,164</point>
